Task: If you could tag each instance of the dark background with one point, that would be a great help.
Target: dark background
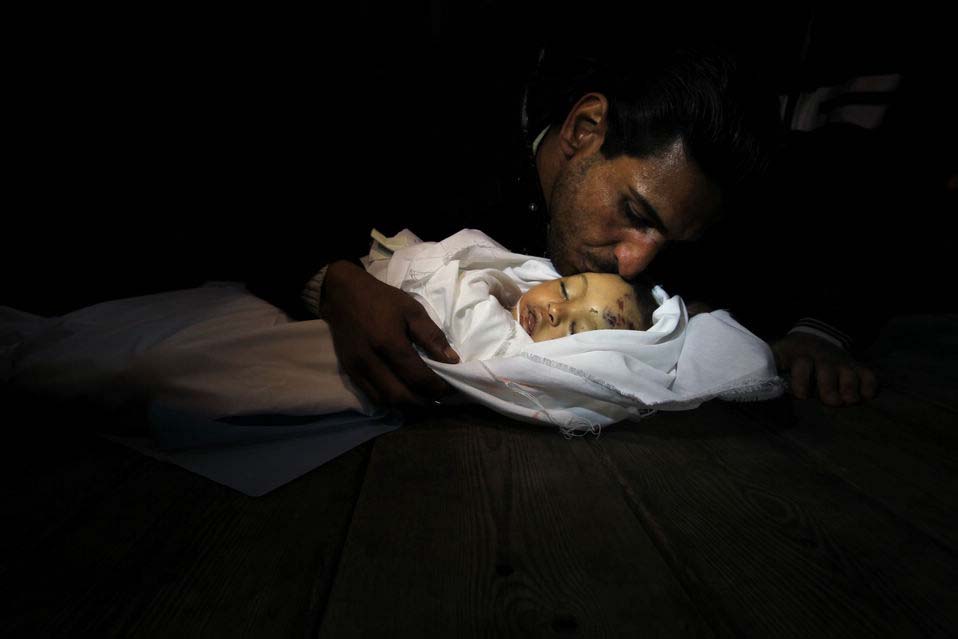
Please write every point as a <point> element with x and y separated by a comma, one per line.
<point>151,150</point>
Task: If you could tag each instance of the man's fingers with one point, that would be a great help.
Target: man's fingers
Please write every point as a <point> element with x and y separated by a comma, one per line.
<point>783,359</point>
<point>374,374</point>
<point>801,371</point>
<point>370,324</point>
<point>848,381</point>
<point>368,390</point>
<point>826,377</point>
<point>393,390</point>
<point>430,337</point>
<point>419,378</point>
<point>837,377</point>
<point>356,372</point>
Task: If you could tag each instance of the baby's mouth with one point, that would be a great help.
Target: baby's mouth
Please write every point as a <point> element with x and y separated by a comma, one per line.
<point>529,320</point>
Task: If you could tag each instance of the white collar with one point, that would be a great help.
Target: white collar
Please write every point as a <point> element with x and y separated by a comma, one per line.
<point>538,140</point>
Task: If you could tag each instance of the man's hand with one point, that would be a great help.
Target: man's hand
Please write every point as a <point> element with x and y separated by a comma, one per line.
<point>374,327</point>
<point>811,362</point>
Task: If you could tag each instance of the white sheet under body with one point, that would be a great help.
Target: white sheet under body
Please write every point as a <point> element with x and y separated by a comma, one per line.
<point>218,351</point>
<point>213,352</point>
<point>192,358</point>
<point>581,382</point>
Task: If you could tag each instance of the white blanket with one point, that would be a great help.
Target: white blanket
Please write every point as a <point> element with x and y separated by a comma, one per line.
<point>218,351</point>
<point>191,359</point>
<point>199,356</point>
<point>581,382</point>
<point>215,351</point>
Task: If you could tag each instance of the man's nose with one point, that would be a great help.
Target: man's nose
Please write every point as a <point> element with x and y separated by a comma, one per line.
<point>633,257</point>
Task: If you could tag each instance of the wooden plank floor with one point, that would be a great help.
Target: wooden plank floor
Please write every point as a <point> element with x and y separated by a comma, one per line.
<point>778,519</point>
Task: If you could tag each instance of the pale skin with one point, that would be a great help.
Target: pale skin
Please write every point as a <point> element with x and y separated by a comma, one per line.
<point>577,304</point>
<point>606,215</point>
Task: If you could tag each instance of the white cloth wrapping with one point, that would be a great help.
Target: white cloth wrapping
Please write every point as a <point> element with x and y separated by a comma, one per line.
<point>214,351</point>
<point>192,358</point>
<point>217,352</point>
<point>581,382</point>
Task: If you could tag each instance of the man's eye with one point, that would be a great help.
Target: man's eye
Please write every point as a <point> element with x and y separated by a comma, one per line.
<point>636,219</point>
<point>565,293</point>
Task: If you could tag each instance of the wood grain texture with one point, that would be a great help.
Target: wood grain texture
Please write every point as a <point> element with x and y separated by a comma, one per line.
<point>776,543</point>
<point>170,553</point>
<point>908,464</point>
<point>901,447</point>
<point>51,473</point>
<point>778,519</point>
<point>917,354</point>
<point>475,526</point>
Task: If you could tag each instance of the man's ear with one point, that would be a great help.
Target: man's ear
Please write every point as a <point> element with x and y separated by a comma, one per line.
<point>585,127</point>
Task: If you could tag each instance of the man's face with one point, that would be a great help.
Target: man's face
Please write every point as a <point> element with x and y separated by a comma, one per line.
<point>615,215</point>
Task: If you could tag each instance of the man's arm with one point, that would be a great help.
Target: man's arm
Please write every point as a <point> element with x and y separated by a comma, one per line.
<point>375,328</point>
<point>815,359</point>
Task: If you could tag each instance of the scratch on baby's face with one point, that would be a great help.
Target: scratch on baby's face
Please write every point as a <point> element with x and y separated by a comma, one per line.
<point>581,303</point>
<point>621,318</point>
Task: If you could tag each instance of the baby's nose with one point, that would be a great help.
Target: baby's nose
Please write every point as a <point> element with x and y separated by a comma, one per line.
<point>555,312</point>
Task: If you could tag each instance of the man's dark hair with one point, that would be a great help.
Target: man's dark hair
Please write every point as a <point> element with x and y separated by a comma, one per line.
<point>725,115</point>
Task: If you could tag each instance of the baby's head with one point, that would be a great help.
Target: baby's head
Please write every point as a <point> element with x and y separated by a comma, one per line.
<point>584,302</point>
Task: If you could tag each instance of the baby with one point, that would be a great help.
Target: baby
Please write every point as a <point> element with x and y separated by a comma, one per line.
<point>584,302</point>
<point>493,304</point>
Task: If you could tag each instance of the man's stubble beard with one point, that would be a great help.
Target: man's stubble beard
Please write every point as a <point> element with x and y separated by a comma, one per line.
<point>561,232</point>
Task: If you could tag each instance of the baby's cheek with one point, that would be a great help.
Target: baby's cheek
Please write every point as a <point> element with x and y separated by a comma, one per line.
<point>613,320</point>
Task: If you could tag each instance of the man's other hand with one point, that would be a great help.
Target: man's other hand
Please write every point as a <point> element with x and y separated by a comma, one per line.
<point>374,327</point>
<point>815,365</point>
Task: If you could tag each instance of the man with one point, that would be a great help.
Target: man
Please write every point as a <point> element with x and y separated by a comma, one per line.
<point>632,158</point>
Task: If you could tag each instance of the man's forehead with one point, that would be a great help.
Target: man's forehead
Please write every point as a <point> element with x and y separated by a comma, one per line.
<point>674,186</point>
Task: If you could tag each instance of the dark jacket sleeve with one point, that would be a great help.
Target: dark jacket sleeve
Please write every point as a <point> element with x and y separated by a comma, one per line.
<point>283,258</point>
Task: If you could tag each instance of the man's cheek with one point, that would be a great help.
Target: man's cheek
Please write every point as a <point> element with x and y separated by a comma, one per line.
<point>564,258</point>
<point>600,261</point>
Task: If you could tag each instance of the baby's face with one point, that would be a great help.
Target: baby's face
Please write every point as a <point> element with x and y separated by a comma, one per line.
<point>578,303</point>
